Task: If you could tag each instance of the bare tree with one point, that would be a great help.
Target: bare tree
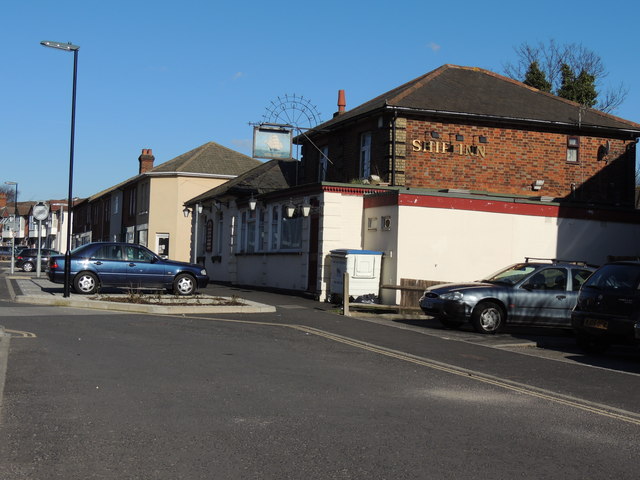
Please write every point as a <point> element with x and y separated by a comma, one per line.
<point>9,191</point>
<point>550,57</point>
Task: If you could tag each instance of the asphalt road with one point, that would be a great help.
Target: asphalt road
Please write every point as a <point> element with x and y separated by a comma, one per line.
<point>304,393</point>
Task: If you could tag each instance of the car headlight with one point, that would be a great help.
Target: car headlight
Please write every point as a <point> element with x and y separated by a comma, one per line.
<point>203,272</point>
<point>456,296</point>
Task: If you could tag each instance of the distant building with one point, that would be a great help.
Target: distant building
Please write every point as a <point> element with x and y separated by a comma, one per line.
<point>148,208</point>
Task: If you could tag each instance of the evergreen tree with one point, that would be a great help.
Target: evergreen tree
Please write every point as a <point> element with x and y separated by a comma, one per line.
<point>578,88</point>
<point>567,87</point>
<point>586,89</point>
<point>536,78</point>
<point>573,71</point>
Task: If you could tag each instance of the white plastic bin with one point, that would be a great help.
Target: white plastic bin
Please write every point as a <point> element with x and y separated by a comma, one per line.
<point>363,267</point>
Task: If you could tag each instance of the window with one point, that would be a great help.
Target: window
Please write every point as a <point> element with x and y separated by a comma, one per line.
<point>144,197</point>
<point>218,246</point>
<point>323,164</point>
<point>549,279</point>
<point>291,231</point>
<point>138,255</point>
<point>275,230</point>
<point>579,277</point>
<point>132,202</point>
<point>372,223</point>
<point>262,231</point>
<point>365,155</point>
<point>573,147</point>
<point>243,232</point>
<point>251,231</point>
<point>108,252</point>
<point>116,205</point>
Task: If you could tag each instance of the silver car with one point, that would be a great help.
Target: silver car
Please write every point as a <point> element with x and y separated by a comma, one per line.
<point>535,292</point>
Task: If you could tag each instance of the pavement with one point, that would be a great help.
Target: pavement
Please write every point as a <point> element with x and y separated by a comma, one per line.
<point>28,288</point>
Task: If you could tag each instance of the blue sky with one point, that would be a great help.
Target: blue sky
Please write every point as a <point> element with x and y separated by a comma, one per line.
<point>172,76</point>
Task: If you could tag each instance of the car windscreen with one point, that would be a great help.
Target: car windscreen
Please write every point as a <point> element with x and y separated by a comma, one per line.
<point>511,275</point>
<point>621,278</point>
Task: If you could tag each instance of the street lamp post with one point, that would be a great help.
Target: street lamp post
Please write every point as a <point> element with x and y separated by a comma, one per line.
<point>16,220</point>
<point>67,256</point>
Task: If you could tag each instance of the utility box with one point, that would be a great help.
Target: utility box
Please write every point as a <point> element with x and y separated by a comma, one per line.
<point>363,267</point>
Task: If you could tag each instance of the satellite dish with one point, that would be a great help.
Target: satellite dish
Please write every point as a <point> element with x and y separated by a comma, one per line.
<point>607,147</point>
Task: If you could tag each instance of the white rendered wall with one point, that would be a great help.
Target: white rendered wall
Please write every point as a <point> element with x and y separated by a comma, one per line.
<point>459,245</point>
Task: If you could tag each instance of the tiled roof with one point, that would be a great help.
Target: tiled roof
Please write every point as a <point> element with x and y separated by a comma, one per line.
<point>210,158</point>
<point>267,177</point>
<point>456,90</point>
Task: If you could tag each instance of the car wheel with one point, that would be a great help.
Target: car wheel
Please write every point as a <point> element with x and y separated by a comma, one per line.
<point>487,317</point>
<point>85,283</point>
<point>591,344</point>
<point>27,267</point>
<point>184,284</point>
<point>452,324</point>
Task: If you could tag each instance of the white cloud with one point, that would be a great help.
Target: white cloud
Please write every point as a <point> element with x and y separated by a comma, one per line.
<point>433,46</point>
<point>238,75</point>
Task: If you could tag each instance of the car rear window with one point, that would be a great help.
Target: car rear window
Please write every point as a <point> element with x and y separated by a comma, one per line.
<point>615,277</point>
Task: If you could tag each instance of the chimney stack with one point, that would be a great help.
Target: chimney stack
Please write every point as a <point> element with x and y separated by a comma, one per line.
<point>146,160</point>
<point>342,103</point>
<point>3,199</point>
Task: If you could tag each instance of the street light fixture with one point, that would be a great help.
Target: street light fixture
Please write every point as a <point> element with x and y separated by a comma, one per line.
<point>67,256</point>
<point>16,221</point>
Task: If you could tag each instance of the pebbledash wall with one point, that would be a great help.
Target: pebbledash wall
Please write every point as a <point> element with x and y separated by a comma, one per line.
<point>451,237</point>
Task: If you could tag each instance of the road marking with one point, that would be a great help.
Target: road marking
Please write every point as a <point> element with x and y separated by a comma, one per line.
<point>20,334</point>
<point>590,407</point>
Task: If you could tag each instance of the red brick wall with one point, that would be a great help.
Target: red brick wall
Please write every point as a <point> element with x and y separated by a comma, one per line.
<point>513,159</point>
<point>508,163</point>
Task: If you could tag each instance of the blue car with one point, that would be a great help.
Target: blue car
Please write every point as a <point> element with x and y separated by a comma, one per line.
<point>113,264</point>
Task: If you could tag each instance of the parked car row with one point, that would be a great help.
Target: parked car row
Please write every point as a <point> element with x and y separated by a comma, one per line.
<point>601,305</point>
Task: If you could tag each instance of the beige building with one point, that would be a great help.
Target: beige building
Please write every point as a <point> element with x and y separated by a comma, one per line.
<point>148,208</point>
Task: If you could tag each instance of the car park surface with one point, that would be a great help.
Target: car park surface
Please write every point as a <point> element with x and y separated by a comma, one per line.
<point>608,307</point>
<point>536,292</point>
<point>126,265</point>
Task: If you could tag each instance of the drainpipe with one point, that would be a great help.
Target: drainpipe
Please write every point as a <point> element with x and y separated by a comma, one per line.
<point>393,148</point>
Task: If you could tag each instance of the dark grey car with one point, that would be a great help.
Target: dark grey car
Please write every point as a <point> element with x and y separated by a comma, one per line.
<point>27,259</point>
<point>535,292</point>
<point>608,307</point>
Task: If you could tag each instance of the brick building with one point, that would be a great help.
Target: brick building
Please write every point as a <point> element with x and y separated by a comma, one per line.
<point>471,129</point>
<point>451,175</point>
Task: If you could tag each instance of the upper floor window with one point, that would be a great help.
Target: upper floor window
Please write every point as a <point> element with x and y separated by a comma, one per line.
<point>132,202</point>
<point>365,155</point>
<point>323,164</point>
<point>573,148</point>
